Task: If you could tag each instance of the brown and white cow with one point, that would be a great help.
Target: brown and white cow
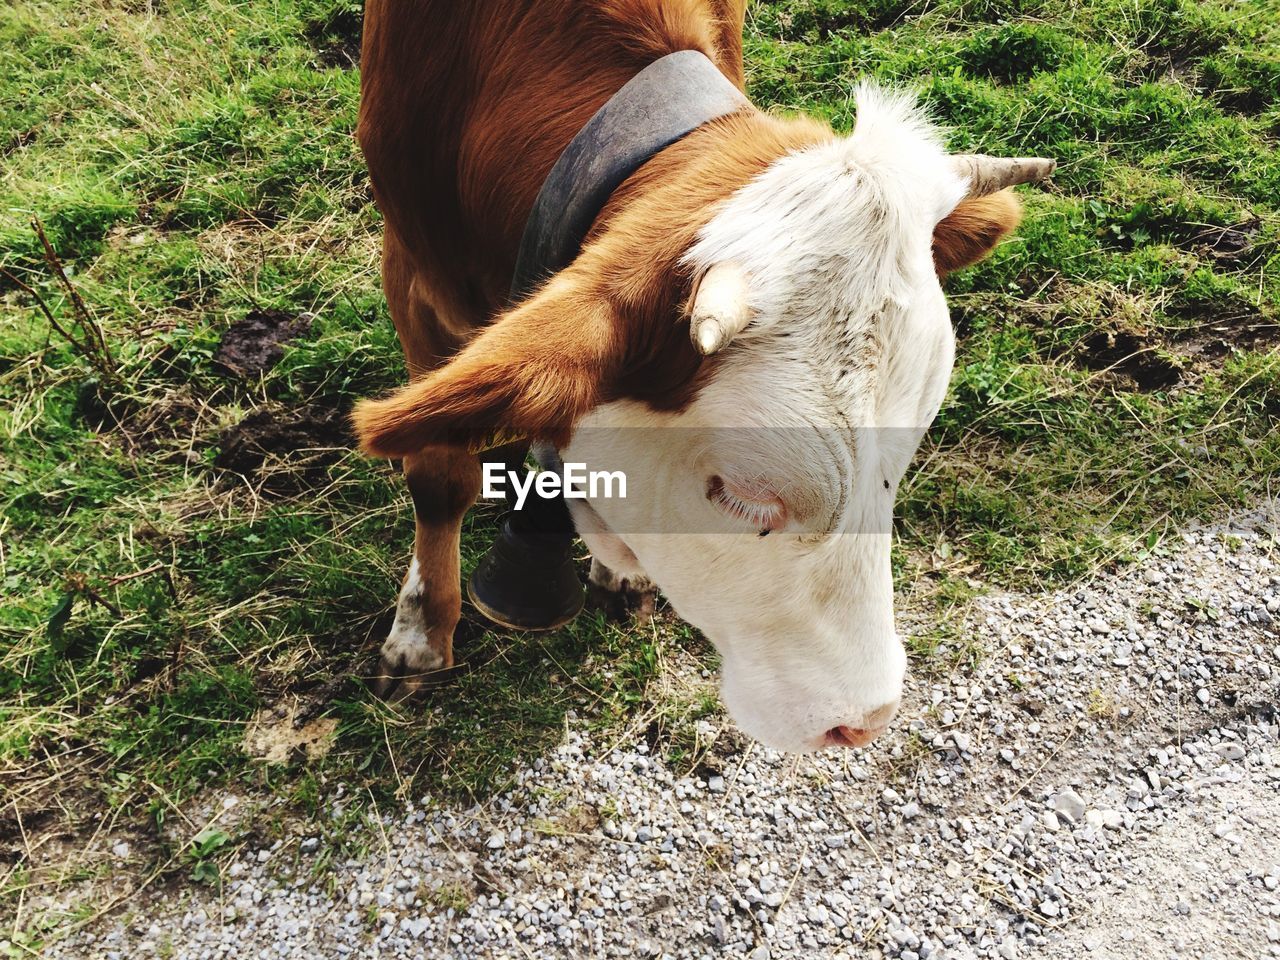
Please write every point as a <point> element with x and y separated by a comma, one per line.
<point>761,273</point>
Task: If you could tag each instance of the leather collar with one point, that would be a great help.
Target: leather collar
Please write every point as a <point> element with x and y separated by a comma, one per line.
<point>668,99</point>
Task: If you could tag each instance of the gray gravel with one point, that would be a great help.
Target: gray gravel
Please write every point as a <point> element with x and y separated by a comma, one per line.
<point>1104,783</point>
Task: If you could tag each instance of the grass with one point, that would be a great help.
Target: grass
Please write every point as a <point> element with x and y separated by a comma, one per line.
<point>1117,372</point>
<point>193,163</point>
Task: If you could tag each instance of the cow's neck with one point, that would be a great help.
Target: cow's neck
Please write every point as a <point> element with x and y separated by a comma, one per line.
<point>660,105</point>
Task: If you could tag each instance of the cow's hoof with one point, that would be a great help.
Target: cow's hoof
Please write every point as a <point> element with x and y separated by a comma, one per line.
<point>631,599</point>
<point>527,581</point>
<point>407,667</point>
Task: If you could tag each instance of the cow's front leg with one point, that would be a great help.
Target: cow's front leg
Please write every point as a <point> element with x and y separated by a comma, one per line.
<point>444,482</point>
<point>630,597</point>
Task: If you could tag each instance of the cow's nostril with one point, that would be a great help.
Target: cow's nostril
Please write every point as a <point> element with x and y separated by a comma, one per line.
<point>851,736</point>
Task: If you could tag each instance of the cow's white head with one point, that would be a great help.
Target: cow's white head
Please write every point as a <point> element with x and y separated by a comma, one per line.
<point>761,503</point>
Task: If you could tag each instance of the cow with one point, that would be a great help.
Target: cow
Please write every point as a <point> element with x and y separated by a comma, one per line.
<point>762,276</point>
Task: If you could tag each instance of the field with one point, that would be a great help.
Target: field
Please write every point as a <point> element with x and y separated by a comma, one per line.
<point>187,538</point>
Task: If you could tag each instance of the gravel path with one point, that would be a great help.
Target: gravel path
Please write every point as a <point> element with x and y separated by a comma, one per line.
<point>1104,783</point>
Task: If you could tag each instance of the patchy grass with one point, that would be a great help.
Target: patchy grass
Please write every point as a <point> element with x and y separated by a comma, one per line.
<point>1117,371</point>
<point>167,573</point>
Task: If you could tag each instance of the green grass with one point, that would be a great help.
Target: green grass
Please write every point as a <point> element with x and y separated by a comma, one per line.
<point>194,161</point>
<point>1161,228</point>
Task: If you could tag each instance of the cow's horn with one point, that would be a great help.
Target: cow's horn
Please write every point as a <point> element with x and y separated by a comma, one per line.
<point>719,310</point>
<point>989,174</point>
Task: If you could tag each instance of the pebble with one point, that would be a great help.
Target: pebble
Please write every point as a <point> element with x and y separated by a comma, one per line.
<point>1068,804</point>
<point>1230,751</point>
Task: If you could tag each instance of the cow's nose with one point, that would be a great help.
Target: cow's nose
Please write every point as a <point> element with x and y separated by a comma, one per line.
<point>867,729</point>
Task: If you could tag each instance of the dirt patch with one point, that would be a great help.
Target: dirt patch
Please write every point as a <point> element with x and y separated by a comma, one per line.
<point>283,733</point>
<point>174,420</point>
<point>813,25</point>
<point>18,141</point>
<point>336,37</point>
<point>1225,244</point>
<point>99,407</point>
<point>1126,354</point>
<point>1213,342</point>
<point>282,449</point>
<point>255,344</point>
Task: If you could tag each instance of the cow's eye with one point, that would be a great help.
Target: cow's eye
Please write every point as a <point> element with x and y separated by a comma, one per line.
<point>755,504</point>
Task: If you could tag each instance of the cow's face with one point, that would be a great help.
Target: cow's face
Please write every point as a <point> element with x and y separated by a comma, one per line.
<point>762,504</point>
<point>763,508</point>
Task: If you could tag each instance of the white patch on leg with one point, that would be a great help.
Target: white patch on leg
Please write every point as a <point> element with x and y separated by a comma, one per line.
<point>633,595</point>
<point>408,642</point>
<point>606,578</point>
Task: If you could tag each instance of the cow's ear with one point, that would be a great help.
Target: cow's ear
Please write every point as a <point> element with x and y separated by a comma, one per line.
<point>531,374</point>
<point>973,228</point>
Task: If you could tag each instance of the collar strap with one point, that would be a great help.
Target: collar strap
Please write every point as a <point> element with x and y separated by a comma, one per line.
<point>662,103</point>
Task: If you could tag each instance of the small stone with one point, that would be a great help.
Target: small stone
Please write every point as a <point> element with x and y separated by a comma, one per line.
<point>496,841</point>
<point>1008,948</point>
<point>309,845</point>
<point>1230,750</point>
<point>1202,695</point>
<point>715,783</point>
<point>1049,908</point>
<point>1069,804</point>
<point>717,929</point>
<point>120,850</point>
<point>1050,821</point>
<point>416,927</point>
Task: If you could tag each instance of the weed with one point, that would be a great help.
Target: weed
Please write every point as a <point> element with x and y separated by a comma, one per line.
<point>451,896</point>
<point>203,852</point>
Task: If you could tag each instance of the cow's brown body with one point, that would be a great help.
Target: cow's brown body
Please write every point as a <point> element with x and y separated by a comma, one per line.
<point>465,108</point>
